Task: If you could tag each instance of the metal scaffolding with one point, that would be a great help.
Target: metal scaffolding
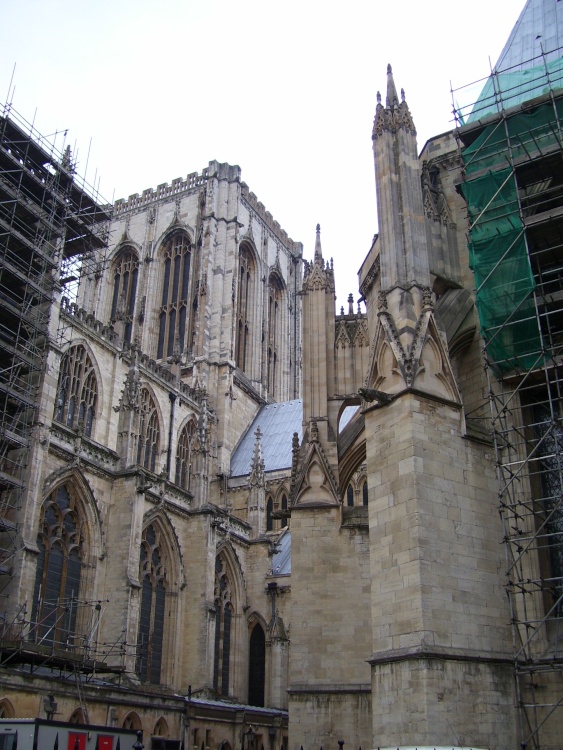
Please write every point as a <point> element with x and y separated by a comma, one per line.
<point>51,224</point>
<point>511,141</point>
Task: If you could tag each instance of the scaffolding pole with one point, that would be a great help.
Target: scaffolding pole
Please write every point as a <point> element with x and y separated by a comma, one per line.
<point>511,148</point>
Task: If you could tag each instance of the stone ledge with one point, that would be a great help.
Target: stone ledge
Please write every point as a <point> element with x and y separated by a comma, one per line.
<point>439,652</point>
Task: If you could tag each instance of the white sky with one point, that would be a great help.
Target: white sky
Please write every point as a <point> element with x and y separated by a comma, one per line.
<point>287,90</point>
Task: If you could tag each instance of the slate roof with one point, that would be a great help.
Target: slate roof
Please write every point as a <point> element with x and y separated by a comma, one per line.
<point>277,423</point>
<point>281,561</point>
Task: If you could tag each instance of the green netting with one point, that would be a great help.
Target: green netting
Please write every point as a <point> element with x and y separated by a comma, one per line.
<point>503,275</point>
<point>529,132</point>
<point>507,89</point>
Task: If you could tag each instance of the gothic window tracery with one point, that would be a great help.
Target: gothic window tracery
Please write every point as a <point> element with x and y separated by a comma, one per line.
<point>125,277</point>
<point>149,432</point>
<point>58,581</point>
<point>77,390</point>
<point>350,495</point>
<point>224,611</point>
<point>245,292</point>
<point>153,577</point>
<point>184,456</point>
<point>173,316</point>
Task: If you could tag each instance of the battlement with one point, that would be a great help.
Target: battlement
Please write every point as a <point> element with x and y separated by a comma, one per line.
<point>150,195</point>
<point>259,209</point>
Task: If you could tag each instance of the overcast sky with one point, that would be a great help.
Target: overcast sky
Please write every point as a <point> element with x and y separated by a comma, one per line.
<point>287,90</point>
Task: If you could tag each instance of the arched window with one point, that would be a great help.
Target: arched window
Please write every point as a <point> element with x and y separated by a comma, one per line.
<point>175,291</point>
<point>126,273</point>
<point>62,550</point>
<point>77,390</point>
<point>149,433</point>
<point>275,291</point>
<point>6,709</point>
<point>244,307</point>
<point>365,493</point>
<point>132,721</point>
<point>184,456</point>
<point>77,717</point>
<point>257,666</point>
<point>283,522</point>
<point>224,611</point>
<point>269,511</point>
<point>153,604</point>
<point>161,728</point>
<point>350,495</point>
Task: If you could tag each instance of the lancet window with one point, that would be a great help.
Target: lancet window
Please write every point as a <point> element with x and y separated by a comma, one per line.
<point>173,315</point>
<point>224,611</point>
<point>152,574</point>
<point>126,274</point>
<point>77,390</point>
<point>58,581</point>
<point>275,293</point>
<point>269,512</point>
<point>149,434</point>
<point>184,456</point>
<point>257,666</point>
<point>244,308</point>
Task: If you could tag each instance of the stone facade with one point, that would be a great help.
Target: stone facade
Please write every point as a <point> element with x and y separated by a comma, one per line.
<point>193,562</point>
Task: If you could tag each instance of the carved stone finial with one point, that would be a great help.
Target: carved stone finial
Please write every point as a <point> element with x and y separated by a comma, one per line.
<point>318,250</point>
<point>379,97</point>
<point>402,95</point>
<point>314,437</point>
<point>350,304</point>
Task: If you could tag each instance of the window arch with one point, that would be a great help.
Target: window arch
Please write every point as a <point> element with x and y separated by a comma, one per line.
<point>257,666</point>
<point>246,279</point>
<point>77,390</point>
<point>149,433</point>
<point>154,584</point>
<point>365,493</point>
<point>6,709</point>
<point>161,728</point>
<point>125,277</point>
<point>283,521</point>
<point>350,495</point>
<point>224,611</point>
<point>269,512</point>
<point>58,581</point>
<point>77,717</point>
<point>275,295</point>
<point>132,721</point>
<point>184,455</point>
<point>177,254</point>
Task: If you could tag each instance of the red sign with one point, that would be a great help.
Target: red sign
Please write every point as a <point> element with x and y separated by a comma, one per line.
<point>77,741</point>
<point>105,742</point>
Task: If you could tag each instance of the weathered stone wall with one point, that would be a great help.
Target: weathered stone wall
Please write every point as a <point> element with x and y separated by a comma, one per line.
<point>330,629</point>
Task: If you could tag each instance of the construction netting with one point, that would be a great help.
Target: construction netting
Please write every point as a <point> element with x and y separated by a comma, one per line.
<point>507,88</point>
<point>498,250</point>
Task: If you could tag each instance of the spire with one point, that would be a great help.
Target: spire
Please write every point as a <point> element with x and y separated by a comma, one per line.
<point>318,251</point>
<point>392,98</point>
<point>257,466</point>
<point>402,234</point>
